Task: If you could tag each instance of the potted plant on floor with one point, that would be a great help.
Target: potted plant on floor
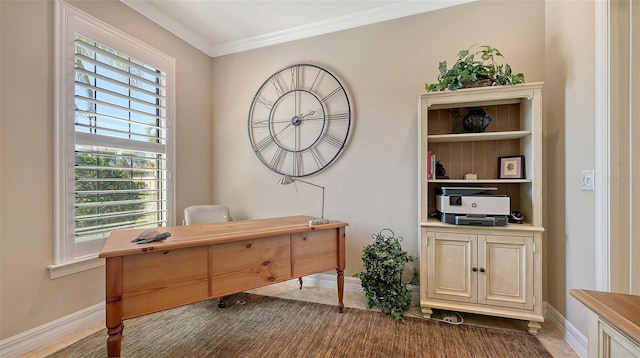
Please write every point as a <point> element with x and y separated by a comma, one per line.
<point>475,69</point>
<point>384,262</point>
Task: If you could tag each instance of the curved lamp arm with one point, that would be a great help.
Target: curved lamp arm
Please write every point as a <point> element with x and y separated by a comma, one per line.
<point>286,180</point>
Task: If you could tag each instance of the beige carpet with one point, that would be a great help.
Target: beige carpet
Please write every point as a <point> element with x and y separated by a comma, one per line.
<point>262,326</point>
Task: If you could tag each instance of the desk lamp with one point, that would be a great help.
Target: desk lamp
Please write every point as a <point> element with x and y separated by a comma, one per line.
<point>286,180</point>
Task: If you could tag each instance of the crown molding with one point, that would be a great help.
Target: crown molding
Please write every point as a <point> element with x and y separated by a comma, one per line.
<point>146,9</point>
<point>371,16</point>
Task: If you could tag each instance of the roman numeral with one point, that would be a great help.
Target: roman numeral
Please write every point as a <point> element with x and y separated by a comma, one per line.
<point>295,77</point>
<point>260,124</point>
<point>326,137</point>
<point>314,80</point>
<point>266,104</point>
<point>316,158</point>
<point>331,94</point>
<point>338,116</point>
<point>277,86</point>
<point>296,164</point>
<point>263,144</point>
<point>277,159</point>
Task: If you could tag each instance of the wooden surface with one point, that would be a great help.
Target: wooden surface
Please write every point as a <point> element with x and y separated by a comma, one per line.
<point>200,262</point>
<point>119,242</point>
<point>620,310</point>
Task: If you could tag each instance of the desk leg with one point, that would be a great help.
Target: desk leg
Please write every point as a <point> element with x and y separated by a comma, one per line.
<point>340,290</point>
<point>114,305</point>
<point>342,260</point>
<point>114,340</point>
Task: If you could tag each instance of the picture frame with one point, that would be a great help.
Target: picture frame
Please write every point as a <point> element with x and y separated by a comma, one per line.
<point>511,167</point>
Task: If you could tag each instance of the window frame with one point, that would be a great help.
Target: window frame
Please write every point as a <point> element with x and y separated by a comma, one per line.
<point>69,256</point>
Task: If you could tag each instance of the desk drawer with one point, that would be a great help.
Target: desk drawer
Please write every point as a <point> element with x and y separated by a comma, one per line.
<point>165,279</point>
<point>314,252</point>
<point>243,265</point>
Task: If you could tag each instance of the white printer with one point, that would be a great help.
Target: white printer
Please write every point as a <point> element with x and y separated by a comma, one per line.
<point>473,206</point>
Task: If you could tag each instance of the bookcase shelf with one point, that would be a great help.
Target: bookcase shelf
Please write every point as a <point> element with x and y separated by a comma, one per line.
<point>478,181</point>
<point>475,137</point>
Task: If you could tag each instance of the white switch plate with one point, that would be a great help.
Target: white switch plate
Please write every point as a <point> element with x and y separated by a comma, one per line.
<point>587,180</point>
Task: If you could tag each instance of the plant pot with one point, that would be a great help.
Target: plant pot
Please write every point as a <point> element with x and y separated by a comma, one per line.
<point>485,82</point>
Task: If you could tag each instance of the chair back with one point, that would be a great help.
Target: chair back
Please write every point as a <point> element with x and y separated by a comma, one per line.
<point>206,214</point>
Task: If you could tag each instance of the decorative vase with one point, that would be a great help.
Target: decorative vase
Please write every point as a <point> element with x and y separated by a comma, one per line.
<point>476,120</point>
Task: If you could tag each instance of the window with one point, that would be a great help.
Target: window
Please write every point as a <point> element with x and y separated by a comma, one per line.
<point>114,137</point>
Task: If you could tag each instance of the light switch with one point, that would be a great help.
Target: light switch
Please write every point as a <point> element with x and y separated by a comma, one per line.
<point>587,180</point>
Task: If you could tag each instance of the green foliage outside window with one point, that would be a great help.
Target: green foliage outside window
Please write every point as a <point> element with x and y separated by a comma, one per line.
<point>115,184</point>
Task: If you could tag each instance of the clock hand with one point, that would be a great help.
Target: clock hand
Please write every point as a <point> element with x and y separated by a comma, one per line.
<point>314,119</point>
<point>282,130</point>
<point>282,121</point>
<point>306,115</point>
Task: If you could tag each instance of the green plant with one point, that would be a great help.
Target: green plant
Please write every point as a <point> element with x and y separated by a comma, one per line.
<point>384,262</point>
<point>475,66</point>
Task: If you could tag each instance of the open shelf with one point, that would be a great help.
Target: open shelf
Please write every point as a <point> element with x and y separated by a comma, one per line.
<point>439,224</point>
<point>475,137</point>
<point>479,181</point>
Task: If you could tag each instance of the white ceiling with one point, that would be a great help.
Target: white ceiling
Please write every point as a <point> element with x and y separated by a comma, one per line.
<point>219,27</point>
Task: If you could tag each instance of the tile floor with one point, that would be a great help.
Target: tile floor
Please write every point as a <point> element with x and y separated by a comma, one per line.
<point>548,335</point>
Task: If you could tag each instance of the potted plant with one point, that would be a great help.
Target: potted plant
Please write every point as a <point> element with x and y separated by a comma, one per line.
<point>475,69</point>
<point>384,262</point>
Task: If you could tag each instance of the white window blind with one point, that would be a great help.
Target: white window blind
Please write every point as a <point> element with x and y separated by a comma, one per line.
<point>120,142</point>
<point>114,137</point>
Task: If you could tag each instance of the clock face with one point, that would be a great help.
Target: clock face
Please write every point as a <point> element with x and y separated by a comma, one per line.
<point>299,120</point>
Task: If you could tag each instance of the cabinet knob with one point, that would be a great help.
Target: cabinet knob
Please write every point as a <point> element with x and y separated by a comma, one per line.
<point>474,269</point>
<point>481,269</point>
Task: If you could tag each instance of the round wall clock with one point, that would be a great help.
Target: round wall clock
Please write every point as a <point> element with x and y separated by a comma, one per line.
<point>299,120</point>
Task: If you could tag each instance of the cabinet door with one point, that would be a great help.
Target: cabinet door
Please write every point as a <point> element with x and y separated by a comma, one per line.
<point>451,258</point>
<point>505,276</point>
<point>606,341</point>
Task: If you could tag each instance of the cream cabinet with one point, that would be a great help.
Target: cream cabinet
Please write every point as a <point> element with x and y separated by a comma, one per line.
<point>614,323</point>
<point>482,271</point>
<point>492,270</point>
<point>606,341</point>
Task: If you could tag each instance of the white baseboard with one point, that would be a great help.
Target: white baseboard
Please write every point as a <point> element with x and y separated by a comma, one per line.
<point>324,280</point>
<point>352,284</point>
<point>574,338</point>
<point>47,333</point>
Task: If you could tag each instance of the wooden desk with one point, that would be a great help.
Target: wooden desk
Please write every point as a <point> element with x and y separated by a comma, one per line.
<point>614,323</point>
<point>200,262</point>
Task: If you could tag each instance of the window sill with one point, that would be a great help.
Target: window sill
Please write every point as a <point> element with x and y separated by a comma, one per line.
<point>71,267</point>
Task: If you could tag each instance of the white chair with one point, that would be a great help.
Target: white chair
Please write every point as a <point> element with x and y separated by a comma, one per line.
<point>206,214</point>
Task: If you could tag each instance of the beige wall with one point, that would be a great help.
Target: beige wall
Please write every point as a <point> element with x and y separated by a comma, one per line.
<point>373,184</point>
<point>28,298</point>
<point>569,148</point>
